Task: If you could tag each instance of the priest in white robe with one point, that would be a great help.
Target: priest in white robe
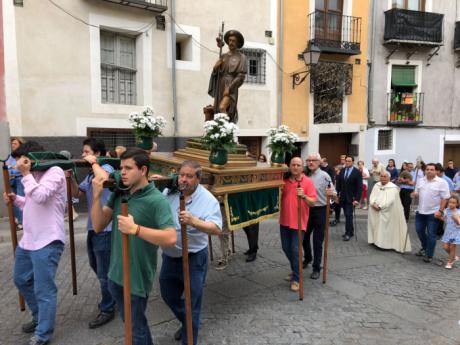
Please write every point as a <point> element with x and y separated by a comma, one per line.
<point>386,225</point>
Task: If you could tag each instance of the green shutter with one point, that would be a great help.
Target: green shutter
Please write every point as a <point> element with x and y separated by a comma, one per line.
<point>403,76</point>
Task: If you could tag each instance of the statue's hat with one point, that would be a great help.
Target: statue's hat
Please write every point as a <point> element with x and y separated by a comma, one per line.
<point>237,34</point>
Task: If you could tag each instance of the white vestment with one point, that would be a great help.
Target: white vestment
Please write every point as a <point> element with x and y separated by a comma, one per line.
<point>387,228</point>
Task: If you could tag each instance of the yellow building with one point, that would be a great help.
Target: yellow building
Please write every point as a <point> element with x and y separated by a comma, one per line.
<point>325,103</point>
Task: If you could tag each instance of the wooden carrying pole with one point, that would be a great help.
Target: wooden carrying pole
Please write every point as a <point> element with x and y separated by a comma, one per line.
<point>326,237</point>
<point>14,236</point>
<point>185,269</point>
<point>126,279</point>
<point>68,177</point>
<point>299,237</point>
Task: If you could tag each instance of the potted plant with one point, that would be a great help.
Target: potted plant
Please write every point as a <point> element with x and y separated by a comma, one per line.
<point>220,138</point>
<point>280,141</point>
<point>146,127</point>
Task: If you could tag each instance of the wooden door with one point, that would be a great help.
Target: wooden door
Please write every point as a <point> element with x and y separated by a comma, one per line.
<point>332,146</point>
<point>452,151</point>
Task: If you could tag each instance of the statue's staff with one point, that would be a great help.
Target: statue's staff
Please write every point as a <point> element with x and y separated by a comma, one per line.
<point>186,271</point>
<point>299,238</point>
<point>14,236</point>
<point>220,44</point>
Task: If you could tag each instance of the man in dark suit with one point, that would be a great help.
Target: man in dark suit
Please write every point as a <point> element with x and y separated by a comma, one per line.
<point>349,188</point>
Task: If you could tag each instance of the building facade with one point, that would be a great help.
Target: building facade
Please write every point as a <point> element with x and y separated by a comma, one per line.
<point>414,107</point>
<point>325,102</point>
<point>79,67</point>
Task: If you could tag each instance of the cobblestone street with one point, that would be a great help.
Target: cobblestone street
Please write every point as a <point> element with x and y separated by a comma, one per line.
<point>371,297</point>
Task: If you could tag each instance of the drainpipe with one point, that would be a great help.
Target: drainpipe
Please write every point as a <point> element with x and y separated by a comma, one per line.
<point>370,81</point>
<point>280,60</point>
<point>173,74</point>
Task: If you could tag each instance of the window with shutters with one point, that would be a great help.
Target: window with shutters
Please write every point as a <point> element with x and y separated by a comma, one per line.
<point>118,68</point>
<point>255,64</point>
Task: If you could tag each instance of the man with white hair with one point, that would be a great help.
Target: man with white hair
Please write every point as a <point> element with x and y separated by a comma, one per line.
<point>374,172</point>
<point>317,219</point>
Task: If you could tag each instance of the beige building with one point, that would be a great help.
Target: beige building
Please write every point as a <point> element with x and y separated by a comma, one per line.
<point>79,67</point>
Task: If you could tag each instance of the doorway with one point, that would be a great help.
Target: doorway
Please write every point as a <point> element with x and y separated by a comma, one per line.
<point>333,145</point>
<point>452,151</point>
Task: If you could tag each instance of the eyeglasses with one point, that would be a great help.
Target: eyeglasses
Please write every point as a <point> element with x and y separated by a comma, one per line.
<point>312,160</point>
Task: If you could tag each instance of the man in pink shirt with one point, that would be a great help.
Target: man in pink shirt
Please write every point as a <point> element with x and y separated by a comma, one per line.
<point>40,249</point>
<point>288,217</point>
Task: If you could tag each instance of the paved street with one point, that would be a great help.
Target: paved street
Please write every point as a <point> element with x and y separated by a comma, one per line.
<point>372,297</point>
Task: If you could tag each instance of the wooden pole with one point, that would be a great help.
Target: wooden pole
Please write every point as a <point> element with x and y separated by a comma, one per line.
<point>211,254</point>
<point>68,177</point>
<point>185,269</point>
<point>233,241</point>
<point>126,279</point>
<point>299,237</point>
<point>326,238</point>
<point>14,236</point>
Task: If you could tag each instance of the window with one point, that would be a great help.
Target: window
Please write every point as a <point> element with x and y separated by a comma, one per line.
<point>385,140</point>
<point>256,65</point>
<point>118,68</point>
<point>404,101</point>
<point>413,5</point>
<point>113,137</point>
<point>184,47</point>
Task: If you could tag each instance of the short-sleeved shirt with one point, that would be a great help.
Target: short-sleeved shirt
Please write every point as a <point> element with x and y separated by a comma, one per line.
<point>289,202</point>
<point>87,187</point>
<point>321,180</point>
<point>450,183</point>
<point>150,209</point>
<point>431,192</point>
<point>201,204</point>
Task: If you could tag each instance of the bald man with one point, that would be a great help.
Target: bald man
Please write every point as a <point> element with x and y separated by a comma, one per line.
<point>296,185</point>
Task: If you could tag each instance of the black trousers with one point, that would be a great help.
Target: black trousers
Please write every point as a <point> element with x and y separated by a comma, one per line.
<point>406,200</point>
<point>252,233</point>
<point>316,226</point>
<point>337,209</point>
<point>348,211</point>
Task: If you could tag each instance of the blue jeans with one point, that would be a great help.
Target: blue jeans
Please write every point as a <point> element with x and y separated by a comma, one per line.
<point>140,327</point>
<point>98,246</point>
<point>34,274</point>
<point>426,226</point>
<point>172,288</point>
<point>18,189</point>
<point>290,245</point>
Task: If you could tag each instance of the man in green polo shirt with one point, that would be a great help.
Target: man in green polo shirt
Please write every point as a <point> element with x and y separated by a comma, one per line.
<point>150,224</point>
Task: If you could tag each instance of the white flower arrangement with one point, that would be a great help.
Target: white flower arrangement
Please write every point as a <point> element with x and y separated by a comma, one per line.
<point>281,139</point>
<point>220,133</point>
<point>145,124</point>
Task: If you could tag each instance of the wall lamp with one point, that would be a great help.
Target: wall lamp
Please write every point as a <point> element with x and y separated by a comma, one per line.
<point>311,57</point>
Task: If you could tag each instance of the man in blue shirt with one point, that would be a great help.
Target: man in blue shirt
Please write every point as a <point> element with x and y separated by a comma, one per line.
<point>441,173</point>
<point>202,217</point>
<point>98,244</point>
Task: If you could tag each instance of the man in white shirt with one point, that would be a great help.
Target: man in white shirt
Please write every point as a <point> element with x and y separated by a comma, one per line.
<point>433,193</point>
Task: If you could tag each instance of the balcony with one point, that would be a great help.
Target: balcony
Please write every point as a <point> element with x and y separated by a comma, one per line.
<point>157,6</point>
<point>457,37</point>
<point>413,27</point>
<point>335,33</point>
<point>405,108</point>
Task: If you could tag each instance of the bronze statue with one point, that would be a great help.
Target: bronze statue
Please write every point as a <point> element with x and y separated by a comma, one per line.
<point>228,75</point>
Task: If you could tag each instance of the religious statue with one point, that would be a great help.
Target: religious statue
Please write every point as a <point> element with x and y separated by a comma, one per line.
<point>228,75</point>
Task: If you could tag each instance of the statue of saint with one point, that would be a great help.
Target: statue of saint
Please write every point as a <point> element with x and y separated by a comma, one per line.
<point>228,75</point>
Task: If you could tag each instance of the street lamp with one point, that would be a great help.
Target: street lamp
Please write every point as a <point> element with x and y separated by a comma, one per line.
<point>310,57</point>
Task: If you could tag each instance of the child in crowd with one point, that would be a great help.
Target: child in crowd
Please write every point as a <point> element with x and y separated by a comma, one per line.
<point>452,233</point>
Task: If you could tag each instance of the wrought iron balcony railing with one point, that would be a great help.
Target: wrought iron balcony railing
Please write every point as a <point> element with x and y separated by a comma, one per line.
<point>335,33</point>
<point>158,6</point>
<point>405,108</point>
<point>457,36</point>
<point>413,27</point>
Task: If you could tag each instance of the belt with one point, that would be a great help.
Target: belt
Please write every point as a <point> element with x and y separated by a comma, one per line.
<point>190,254</point>
<point>317,207</point>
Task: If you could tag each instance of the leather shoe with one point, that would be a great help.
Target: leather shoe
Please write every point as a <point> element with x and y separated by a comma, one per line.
<point>314,275</point>
<point>346,238</point>
<point>251,257</point>
<point>101,319</point>
<point>29,327</point>
<point>178,334</point>
<point>247,252</point>
<point>428,259</point>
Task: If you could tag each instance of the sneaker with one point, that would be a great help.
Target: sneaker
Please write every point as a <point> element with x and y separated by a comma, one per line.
<point>178,334</point>
<point>295,286</point>
<point>428,259</point>
<point>421,252</point>
<point>449,265</point>
<point>29,327</point>
<point>221,264</point>
<point>19,227</point>
<point>35,341</point>
<point>101,320</point>
<point>456,258</point>
<point>288,277</point>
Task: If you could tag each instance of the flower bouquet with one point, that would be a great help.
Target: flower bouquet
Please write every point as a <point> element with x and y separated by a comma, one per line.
<point>280,141</point>
<point>146,126</point>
